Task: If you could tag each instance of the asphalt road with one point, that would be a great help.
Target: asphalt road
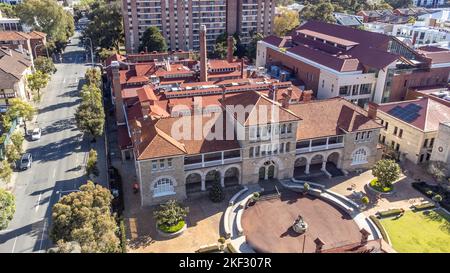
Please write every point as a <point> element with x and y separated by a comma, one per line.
<point>56,157</point>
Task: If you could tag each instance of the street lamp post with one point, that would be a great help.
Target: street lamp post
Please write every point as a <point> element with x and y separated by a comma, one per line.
<point>92,51</point>
<point>46,49</point>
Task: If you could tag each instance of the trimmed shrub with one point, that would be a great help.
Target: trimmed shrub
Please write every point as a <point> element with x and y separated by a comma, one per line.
<point>216,193</point>
<point>390,213</point>
<point>425,206</point>
<point>172,229</point>
<point>365,200</point>
<point>222,240</point>
<point>380,227</point>
<point>123,235</point>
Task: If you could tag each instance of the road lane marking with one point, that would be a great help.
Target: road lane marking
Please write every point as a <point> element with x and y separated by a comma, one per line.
<point>38,202</point>
<point>42,236</point>
<point>14,245</point>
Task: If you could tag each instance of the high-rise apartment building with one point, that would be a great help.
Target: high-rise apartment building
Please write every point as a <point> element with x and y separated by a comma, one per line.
<point>180,20</point>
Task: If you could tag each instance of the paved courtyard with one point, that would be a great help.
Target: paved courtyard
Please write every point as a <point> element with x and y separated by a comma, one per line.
<point>269,231</point>
<point>205,217</point>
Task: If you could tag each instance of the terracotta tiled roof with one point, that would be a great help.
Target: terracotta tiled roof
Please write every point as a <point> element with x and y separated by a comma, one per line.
<point>14,36</point>
<point>429,114</point>
<point>156,139</point>
<point>146,93</point>
<point>124,139</point>
<point>330,117</point>
<point>436,54</point>
<point>257,104</point>
<point>12,66</point>
<point>37,35</point>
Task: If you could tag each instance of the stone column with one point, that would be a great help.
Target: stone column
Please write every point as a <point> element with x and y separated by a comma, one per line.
<point>222,180</point>
<point>203,183</point>
<point>324,166</point>
<point>307,168</point>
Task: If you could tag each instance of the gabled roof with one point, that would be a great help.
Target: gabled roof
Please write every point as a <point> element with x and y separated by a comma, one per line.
<point>424,114</point>
<point>330,117</point>
<point>12,66</point>
<point>14,36</point>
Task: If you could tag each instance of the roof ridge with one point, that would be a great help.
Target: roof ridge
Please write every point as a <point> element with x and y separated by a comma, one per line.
<point>170,139</point>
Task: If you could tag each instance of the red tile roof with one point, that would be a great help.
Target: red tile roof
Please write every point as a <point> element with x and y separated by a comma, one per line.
<point>430,113</point>
<point>330,117</point>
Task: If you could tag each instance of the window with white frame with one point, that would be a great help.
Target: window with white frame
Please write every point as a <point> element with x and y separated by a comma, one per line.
<point>154,165</point>
<point>169,163</point>
<point>359,156</point>
<point>163,186</point>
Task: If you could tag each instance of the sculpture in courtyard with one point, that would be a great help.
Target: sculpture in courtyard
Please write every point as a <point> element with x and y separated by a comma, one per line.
<point>300,225</point>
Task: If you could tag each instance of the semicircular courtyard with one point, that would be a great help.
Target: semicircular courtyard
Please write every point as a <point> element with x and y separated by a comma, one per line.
<point>268,224</point>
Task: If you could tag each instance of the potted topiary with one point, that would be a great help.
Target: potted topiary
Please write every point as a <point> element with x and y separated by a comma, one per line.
<point>306,188</point>
<point>170,219</point>
<point>365,201</point>
<point>254,198</point>
<point>437,198</point>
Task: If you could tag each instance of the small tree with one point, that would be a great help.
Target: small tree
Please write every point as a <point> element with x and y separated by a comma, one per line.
<point>20,109</point>
<point>170,214</point>
<point>438,170</point>
<point>216,193</point>
<point>91,166</point>
<point>12,154</point>
<point>306,187</point>
<point>44,65</point>
<point>386,171</point>
<point>153,40</point>
<point>65,247</point>
<point>90,116</point>
<point>93,77</point>
<point>5,171</point>
<point>17,140</point>
<point>7,208</point>
<point>37,81</point>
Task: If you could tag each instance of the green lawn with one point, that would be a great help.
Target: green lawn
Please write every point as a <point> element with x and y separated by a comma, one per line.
<point>419,232</point>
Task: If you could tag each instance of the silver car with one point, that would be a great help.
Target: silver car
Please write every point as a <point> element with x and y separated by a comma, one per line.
<point>25,161</point>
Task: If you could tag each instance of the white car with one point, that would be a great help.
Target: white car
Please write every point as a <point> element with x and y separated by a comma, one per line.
<point>36,134</point>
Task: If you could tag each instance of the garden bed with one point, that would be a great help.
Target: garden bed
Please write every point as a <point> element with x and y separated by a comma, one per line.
<point>171,231</point>
<point>390,213</point>
<point>374,185</point>
<point>432,190</point>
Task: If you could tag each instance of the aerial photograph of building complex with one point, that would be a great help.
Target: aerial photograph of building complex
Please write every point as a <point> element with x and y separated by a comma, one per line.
<point>225,126</point>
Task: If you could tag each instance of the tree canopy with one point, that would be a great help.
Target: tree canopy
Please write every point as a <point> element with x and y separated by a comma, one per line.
<point>20,109</point>
<point>45,65</point>
<point>396,4</point>
<point>5,171</point>
<point>7,208</point>
<point>320,10</point>
<point>90,116</point>
<point>37,81</point>
<point>47,16</point>
<point>286,21</point>
<point>84,217</point>
<point>221,46</point>
<point>252,46</point>
<point>105,27</point>
<point>386,171</point>
<point>153,40</point>
<point>8,10</point>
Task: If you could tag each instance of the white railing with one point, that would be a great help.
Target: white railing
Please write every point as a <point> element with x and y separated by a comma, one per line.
<point>212,163</point>
<point>319,148</point>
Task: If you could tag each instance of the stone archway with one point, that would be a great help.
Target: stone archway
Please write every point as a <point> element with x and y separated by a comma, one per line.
<point>334,158</point>
<point>268,170</point>
<point>333,164</point>
<point>193,183</point>
<point>231,177</point>
<point>211,177</point>
<point>301,166</point>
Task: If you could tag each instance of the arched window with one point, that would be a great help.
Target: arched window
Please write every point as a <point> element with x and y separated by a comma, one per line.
<point>359,156</point>
<point>163,186</point>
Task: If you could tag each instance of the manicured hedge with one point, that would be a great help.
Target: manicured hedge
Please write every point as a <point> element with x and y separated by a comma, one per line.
<point>424,206</point>
<point>390,213</point>
<point>423,187</point>
<point>231,248</point>
<point>380,227</point>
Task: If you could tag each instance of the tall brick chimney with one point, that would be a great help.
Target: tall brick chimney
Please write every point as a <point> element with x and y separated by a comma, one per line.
<point>203,55</point>
<point>307,95</point>
<point>372,110</point>
<point>117,89</point>
<point>230,49</point>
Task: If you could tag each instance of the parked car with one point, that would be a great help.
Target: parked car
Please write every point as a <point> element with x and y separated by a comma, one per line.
<point>25,161</point>
<point>36,134</point>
